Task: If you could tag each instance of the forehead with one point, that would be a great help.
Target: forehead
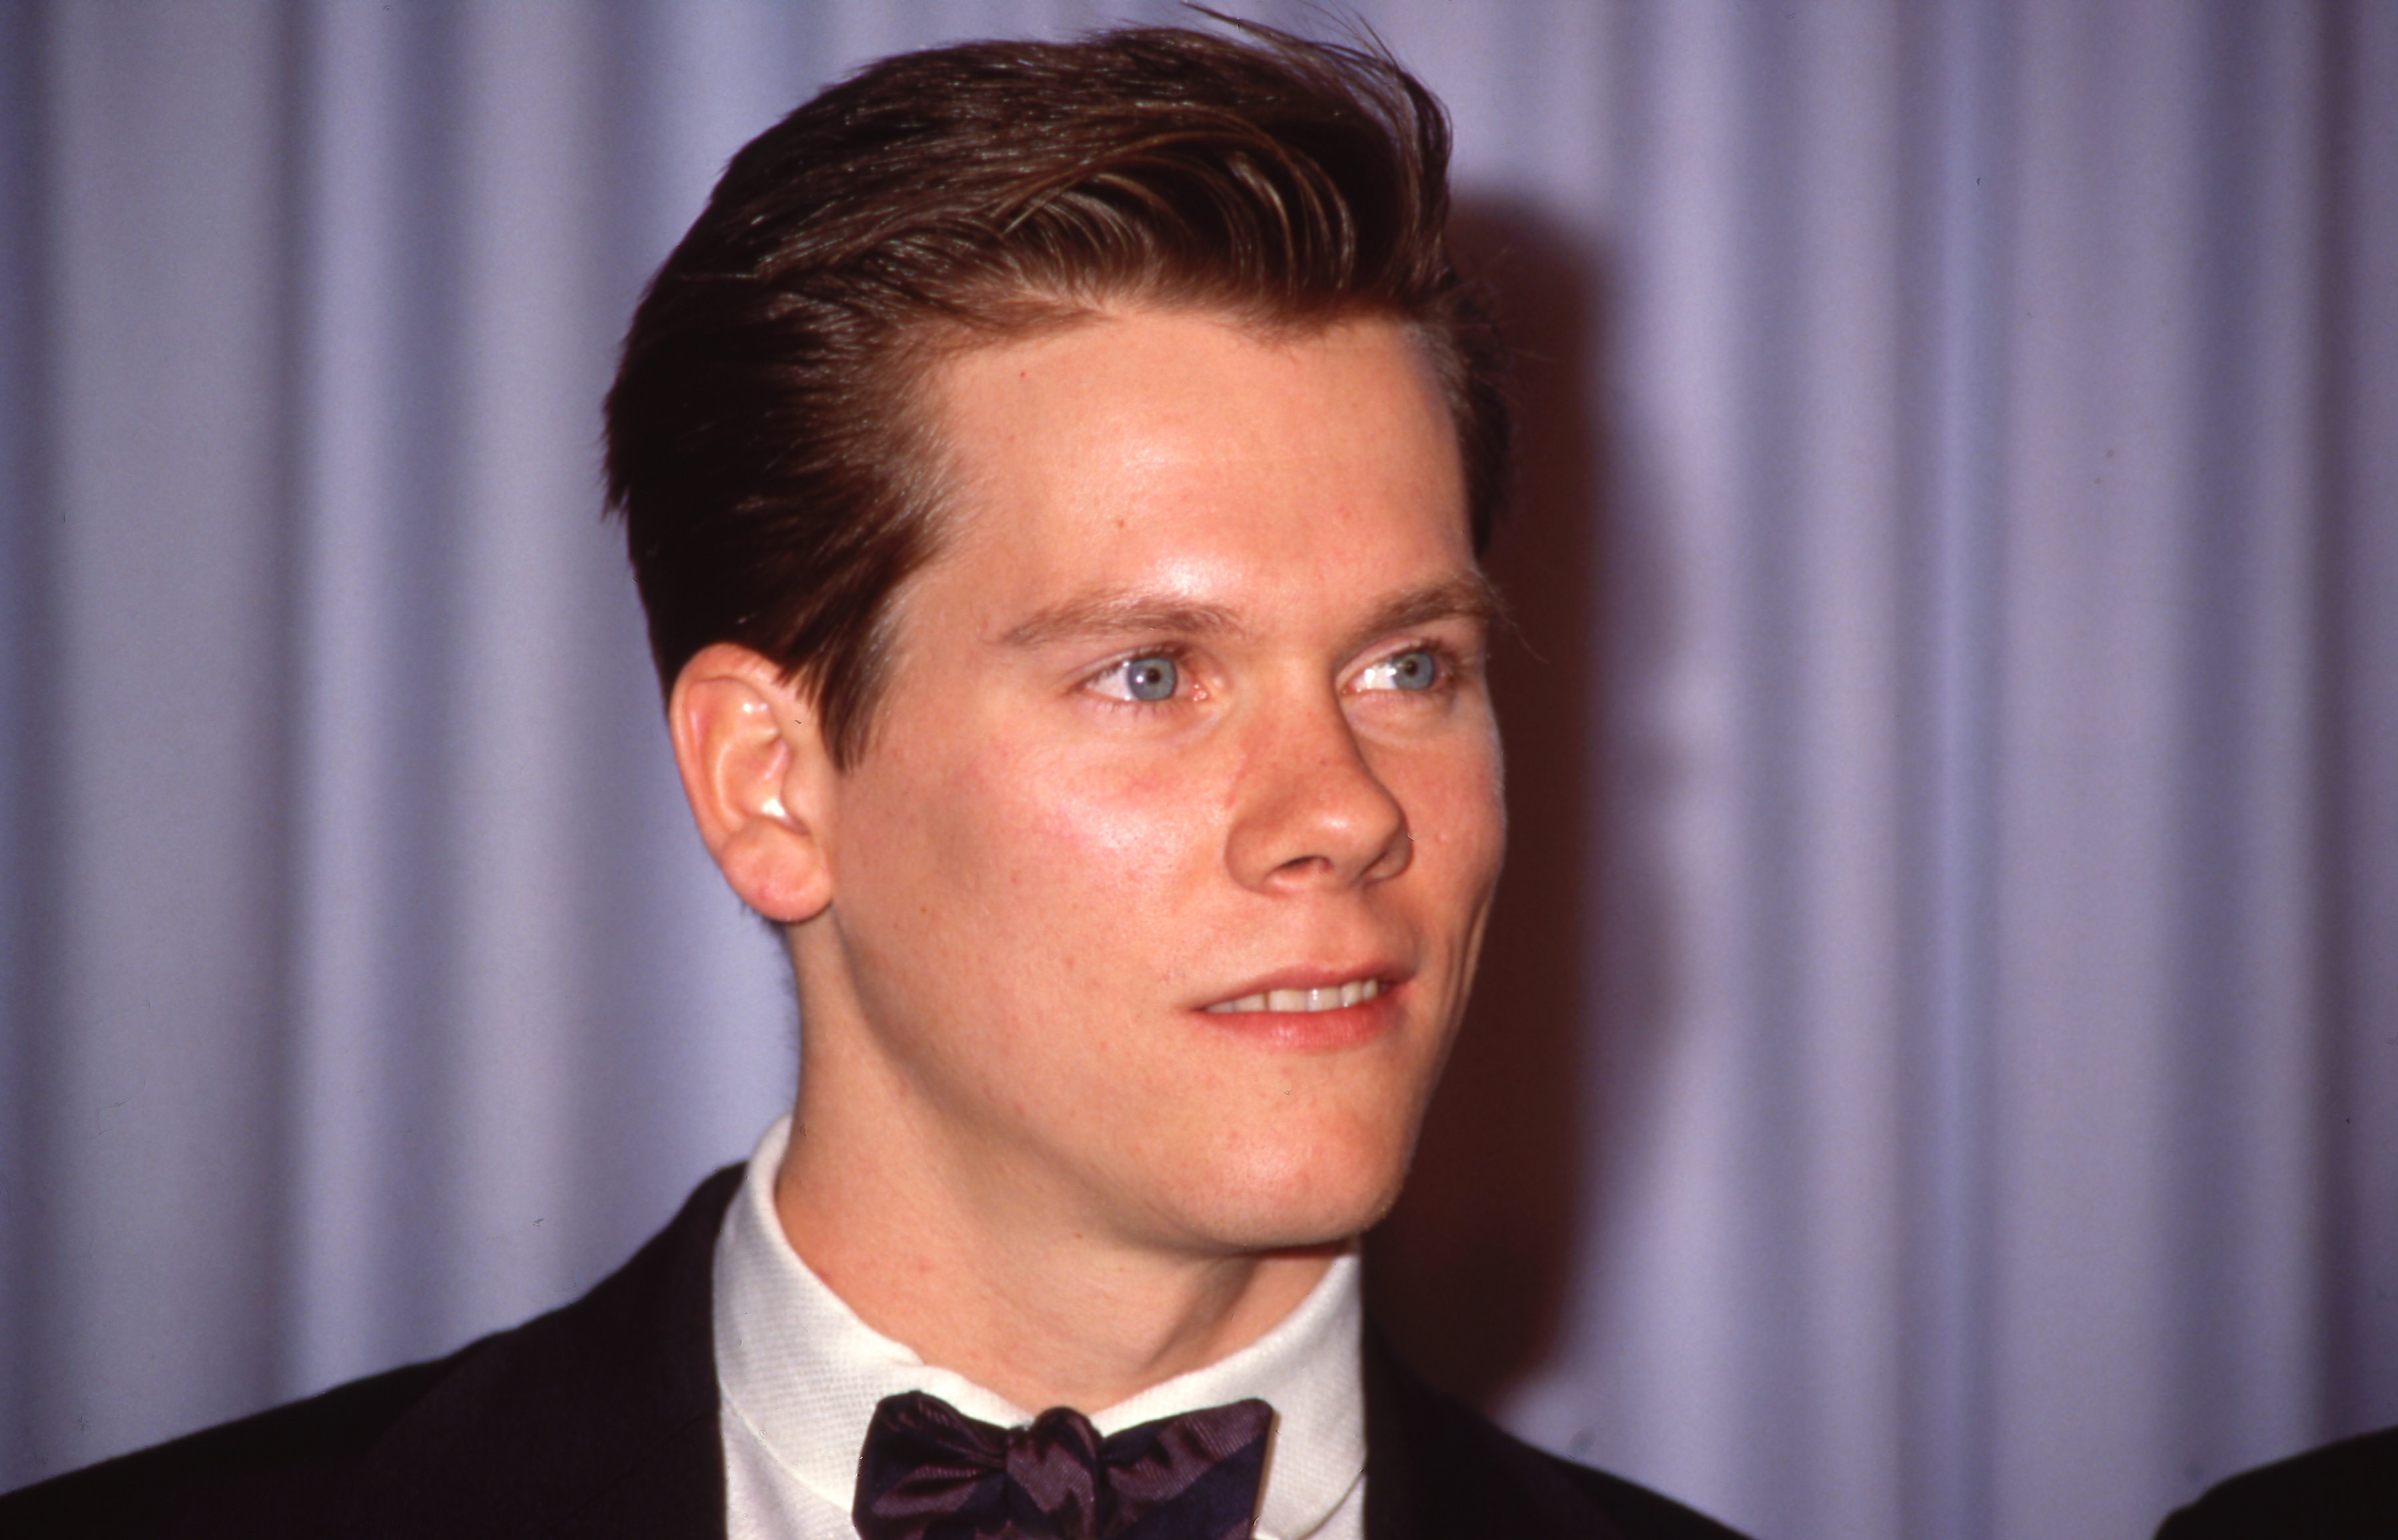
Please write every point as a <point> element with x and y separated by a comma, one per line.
<point>1197,456</point>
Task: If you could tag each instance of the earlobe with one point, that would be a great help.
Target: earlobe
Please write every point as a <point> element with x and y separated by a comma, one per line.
<point>755,771</point>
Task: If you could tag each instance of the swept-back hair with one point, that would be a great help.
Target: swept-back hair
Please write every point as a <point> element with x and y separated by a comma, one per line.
<point>766,444</point>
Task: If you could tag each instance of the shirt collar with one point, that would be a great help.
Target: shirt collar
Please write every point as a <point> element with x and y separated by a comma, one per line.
<point>804,1373</point>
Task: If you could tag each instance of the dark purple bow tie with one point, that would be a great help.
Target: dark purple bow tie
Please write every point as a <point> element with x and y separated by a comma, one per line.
<point>930,1472</point>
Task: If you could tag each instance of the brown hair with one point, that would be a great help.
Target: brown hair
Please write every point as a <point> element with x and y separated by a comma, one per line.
<point>775,485</point>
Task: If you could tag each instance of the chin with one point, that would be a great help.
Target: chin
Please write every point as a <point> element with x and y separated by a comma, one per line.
<point>1284,1195</point>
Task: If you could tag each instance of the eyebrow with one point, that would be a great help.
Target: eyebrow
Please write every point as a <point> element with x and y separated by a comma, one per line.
<point>1467,595</point>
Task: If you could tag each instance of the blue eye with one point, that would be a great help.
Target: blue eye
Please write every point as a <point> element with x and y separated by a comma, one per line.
<point>1414,669</point>
<point>1149,678</point>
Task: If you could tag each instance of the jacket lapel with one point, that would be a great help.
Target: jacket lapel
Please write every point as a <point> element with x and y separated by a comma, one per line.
<point>1436,1471</point>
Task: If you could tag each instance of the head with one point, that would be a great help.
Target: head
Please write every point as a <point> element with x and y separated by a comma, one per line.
<point>1054,475</point>
<point>766,445</point>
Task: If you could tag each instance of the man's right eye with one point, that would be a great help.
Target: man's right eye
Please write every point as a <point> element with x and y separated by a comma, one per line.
<point>1149,678</point>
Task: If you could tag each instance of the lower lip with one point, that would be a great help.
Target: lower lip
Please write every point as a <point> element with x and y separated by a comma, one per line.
<point>1343,1028</point>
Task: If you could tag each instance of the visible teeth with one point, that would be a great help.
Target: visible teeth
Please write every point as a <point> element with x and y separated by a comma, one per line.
<point>1328,997</point>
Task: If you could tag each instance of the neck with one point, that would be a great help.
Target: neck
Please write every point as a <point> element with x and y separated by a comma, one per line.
<point>976,1270</point>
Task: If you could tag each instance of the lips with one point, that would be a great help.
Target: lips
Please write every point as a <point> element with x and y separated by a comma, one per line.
<point>1302,1001</point>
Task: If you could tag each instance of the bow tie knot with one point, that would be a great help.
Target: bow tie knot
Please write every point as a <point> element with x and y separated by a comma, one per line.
<point>929,1472</point>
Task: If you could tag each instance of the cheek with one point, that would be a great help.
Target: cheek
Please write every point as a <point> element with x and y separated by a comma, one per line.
<point>1457,812</point>
<point>1050,867</point>
<point>1128,830</point>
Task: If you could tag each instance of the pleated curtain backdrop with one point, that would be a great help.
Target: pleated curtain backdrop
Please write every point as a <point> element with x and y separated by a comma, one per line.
<point>1937,1066</point>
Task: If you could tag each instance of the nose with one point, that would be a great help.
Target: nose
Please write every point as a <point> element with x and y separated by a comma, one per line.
<point>1309,810</point>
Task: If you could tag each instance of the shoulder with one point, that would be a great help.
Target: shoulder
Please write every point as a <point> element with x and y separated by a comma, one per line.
<point>2347,1489</point>
<point>609,1399</point>
<point>1437,1470</point>
<point>277,1470</point>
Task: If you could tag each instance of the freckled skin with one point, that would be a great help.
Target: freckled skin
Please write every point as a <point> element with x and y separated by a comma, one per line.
<point>1039,884</point>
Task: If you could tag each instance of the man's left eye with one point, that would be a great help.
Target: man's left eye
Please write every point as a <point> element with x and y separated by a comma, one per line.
<point>1414,669</point>
<point>1146,679</point>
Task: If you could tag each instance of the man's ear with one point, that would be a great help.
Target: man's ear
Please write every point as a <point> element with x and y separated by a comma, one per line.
<point>760,782</point>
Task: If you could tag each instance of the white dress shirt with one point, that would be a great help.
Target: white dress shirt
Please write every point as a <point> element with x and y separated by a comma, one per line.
<point>800,1374</point>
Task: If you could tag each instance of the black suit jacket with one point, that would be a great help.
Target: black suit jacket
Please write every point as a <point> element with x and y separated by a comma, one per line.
<point>598,1420</point>
<point>2347,1490</point>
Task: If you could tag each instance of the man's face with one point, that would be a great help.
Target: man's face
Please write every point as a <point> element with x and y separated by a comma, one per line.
<point>1159,885</point>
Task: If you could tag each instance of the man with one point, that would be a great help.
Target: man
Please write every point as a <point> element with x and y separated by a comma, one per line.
<point>1054,477</point>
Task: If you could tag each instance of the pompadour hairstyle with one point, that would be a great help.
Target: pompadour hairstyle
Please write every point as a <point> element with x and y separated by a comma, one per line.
<point>765,444</point>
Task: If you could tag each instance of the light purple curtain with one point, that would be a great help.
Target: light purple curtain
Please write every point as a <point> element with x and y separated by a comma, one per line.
<point>1955,924</point>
